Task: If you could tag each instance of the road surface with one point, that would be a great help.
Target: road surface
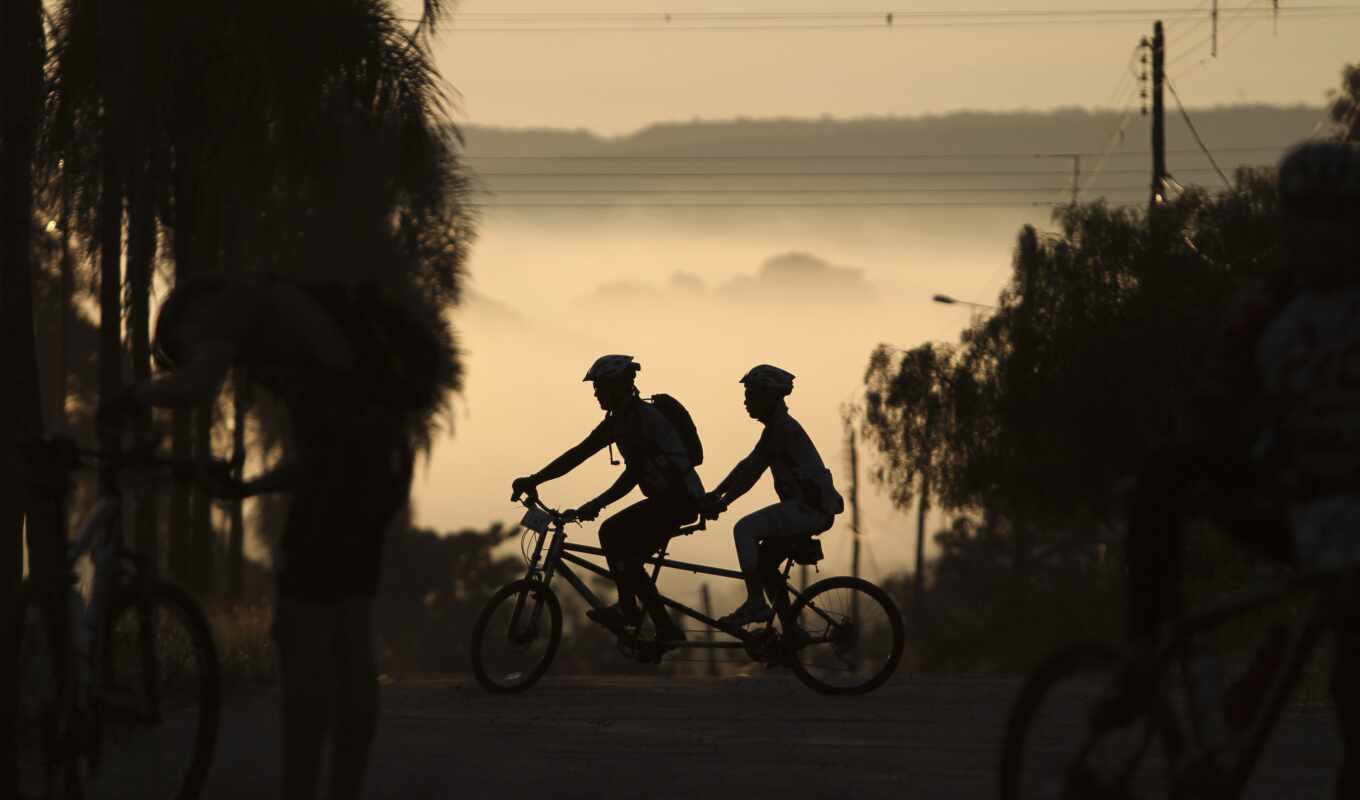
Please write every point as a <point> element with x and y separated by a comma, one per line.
<point>757,736</point>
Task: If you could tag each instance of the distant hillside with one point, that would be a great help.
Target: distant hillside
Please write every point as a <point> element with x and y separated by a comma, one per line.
<point>957,133</point>
<point>984,161</point>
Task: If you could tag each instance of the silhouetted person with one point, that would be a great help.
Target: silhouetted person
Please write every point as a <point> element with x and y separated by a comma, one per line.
<point>347,463</point>
<point>808,500</point>
<point>657,462</point>
<point>1275,459</point>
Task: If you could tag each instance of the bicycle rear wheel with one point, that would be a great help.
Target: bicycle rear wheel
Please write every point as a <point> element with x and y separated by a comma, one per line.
<point>854,636</point>
<point>160,696</point>
<point>513,643</point>
<point>43,766</point>
<point>1074,733</point>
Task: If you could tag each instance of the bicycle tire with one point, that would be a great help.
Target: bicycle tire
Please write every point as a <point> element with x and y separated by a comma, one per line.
<point>1091,669</point>
<point>806,610</point>
<point>38,669</point>
<point>155,713</point>
<point>491,677</point>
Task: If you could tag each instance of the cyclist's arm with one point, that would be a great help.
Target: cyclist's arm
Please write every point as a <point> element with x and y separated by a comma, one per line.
<point>573,458</point>
<point>621,487</point>
<point>743,476</point>
<point>194,383</point>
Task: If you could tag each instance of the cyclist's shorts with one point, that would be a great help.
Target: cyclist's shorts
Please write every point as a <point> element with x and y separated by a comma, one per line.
<point>333,540</point>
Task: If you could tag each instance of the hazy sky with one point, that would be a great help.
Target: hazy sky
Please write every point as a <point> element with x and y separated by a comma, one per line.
<point>617,81</point>
<point>530,340</point>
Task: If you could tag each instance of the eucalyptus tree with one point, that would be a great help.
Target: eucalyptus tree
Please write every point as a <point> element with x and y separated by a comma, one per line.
<point>909,402</point>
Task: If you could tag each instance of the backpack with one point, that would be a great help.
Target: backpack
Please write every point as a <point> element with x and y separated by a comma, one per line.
<point>683,423</point>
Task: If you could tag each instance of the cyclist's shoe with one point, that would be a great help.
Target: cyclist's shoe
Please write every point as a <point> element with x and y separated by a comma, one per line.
<point>781,653</point>
<point>612,617</point>
<point>747,614</point>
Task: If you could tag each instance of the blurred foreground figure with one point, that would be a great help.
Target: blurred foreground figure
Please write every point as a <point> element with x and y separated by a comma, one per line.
<point>660,449</point>
<point>808,500</point>
<point>357,375</point>
<point>1275,458</point>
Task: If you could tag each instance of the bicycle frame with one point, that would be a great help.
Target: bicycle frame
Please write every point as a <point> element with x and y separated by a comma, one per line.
<point>1252,740</point>
<point>562,555</point>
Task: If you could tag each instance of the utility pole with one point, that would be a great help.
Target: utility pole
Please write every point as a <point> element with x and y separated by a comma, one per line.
<point>1158,119</point>
<point>1076,176</point>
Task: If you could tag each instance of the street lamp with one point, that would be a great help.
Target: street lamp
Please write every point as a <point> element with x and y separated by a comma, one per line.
<point>949,301</point>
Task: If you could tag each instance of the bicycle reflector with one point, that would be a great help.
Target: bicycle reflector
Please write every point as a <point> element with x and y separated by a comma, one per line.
<point>536,520</point>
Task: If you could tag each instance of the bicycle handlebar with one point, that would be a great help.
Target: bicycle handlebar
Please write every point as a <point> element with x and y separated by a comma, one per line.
<point>60,453</point>
<point>530,499</point>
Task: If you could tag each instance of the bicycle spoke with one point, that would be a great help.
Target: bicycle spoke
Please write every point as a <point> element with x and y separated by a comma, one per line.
<point>851,636</point>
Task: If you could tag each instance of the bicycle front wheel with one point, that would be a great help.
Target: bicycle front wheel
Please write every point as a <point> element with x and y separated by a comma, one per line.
<point>854,636</point>
<point>516,636</point>
<point>1074,732</point>
<point>159,698</point>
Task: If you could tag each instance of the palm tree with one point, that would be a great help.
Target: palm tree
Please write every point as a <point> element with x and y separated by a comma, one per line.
<point>255,154</point>
<point>21,94</point>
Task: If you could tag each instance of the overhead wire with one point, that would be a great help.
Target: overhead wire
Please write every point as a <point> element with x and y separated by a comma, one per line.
<point>1200,10</point>
<point>540,22</point>
<point>794,174</point>
<point>1190,123</point>
<point>1116,136</point>
<point>1223,29</point>
<point>989,156</point>
<point>805,190</point>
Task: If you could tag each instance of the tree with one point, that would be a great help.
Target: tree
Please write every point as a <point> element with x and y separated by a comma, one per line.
<point>1344,104</point>
<point>21,102</point>
<point>907,415</point>
<point>1085,366</point>
<point>256,154</point>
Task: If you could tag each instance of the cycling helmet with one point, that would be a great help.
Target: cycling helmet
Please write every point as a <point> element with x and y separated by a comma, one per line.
<point>1320,179</point>
<point>764,376</point>
<point>612,366</point>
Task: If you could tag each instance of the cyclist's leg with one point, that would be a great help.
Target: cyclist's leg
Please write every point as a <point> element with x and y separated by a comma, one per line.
<point>640,530</point>
<point>773,553</point>
<point>1345,683</point>
<point>379,479</point>
<point>781,520</point>
<point>303,636</point>
<point>616,539</point>
<point>356,714</point>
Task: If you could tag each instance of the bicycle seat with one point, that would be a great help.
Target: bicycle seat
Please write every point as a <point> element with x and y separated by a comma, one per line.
<point>806,550</point>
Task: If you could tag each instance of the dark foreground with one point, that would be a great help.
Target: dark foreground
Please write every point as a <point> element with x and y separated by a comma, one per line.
<point>699,739</point>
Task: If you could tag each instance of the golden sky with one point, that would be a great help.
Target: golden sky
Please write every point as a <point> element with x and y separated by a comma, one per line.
<point>617,81</point>
<point>529,343</point>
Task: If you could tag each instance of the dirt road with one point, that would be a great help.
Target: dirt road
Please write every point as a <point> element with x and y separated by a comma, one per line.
<point>699,739</point>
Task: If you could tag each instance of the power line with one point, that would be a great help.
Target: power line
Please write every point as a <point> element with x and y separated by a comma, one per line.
<point>841,156</point>
<point>540,22</point>
<point>802,174</point>
<point>1200,19</point>
<point>1208,40</point>
<point>961,204</point>
<point>795,190</point>
<point>1195,133</point>
<point>1116,137</point>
